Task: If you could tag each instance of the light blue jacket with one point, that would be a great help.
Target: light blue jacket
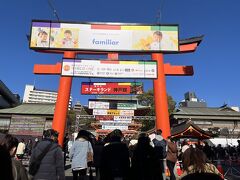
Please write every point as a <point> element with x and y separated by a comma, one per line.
<point>78,153</point>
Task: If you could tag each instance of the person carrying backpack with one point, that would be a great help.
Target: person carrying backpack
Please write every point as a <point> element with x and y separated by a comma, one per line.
<point>46,161</point>
<point>160,147</point>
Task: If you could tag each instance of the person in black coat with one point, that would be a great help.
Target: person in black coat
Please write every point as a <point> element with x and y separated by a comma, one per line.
<point>145,164</point>
<point>5,164</point>
<point>97,151</point>
<point>52,164</point>
<point>115,163</point>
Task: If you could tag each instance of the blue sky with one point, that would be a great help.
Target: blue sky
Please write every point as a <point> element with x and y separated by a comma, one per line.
<point>216,62</point>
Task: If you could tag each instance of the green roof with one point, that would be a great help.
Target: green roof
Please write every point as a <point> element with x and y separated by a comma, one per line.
<point>30,108</point>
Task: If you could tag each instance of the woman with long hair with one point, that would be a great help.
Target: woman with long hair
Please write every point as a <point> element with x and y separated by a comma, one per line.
<point>145,164</point>
<point>195,161</point>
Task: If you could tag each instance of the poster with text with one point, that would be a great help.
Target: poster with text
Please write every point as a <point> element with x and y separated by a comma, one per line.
<point>109,68</point>
<point>117,37</point>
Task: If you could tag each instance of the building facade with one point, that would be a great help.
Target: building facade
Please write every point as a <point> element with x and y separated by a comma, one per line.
<point>223,121</point>
<point>33,95</point>
<point>27,119</point>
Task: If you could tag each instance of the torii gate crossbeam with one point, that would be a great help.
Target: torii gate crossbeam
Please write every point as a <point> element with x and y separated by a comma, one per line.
<point>160,93</point>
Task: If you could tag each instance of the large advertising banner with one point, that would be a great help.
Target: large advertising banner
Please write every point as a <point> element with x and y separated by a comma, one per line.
<point>113,112</point>
<point>109,69</point>
<point>112,88</point>
<point>104,36</point>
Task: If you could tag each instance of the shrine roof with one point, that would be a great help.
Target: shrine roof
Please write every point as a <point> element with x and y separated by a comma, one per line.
<point>188,129</point>
<point>206,111</point>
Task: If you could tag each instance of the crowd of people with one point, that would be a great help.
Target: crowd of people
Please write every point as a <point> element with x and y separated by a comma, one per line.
<point>113,157</point>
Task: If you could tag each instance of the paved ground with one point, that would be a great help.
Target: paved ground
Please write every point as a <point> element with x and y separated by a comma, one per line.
<point>232,171</point>
<point>68,172</point>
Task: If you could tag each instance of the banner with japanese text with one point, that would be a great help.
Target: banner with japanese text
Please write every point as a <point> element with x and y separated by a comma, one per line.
<point>113,112</point>
<point>111,104</point>
<point>109,68</point>
<point>111,88</point>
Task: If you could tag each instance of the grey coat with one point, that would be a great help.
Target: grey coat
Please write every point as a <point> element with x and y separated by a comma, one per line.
<point>78,153</point>
<point>19,171</point>
<point>52,165</point>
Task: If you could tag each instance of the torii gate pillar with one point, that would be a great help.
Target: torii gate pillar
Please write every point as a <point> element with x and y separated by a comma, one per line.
<point>160,97</point>
<point>62,103</point>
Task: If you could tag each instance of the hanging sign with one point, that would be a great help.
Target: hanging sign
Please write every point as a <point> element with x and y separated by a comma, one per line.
<point>111,127</point>
<point>109,69</point>
<point>113,112</point>
<point>117,37</point>
<point>122,118</point>
<point>112,104</point>
<point>98,105</point>
<point>121,121</point>
<point>104,118</point>
<point>112,88</point>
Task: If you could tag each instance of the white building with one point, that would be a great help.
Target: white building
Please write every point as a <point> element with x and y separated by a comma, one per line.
<point>33,95</point>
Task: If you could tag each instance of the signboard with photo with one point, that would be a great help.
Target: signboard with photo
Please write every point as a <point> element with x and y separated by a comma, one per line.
<point>109,68</point>
<point>117,37</point>
<point>112,88</point>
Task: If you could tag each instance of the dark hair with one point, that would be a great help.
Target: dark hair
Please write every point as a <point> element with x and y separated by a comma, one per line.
<point>9,142</point>
<point>159,132</point>
<point>194,157</point>
<point>83,134</point>
<point>5,164</point>
<point>143,140</point>
<point>68,31</point>
<point>116,135</point>
<point>44,32</point>
<point>158,33</point>
<point>49,133</point>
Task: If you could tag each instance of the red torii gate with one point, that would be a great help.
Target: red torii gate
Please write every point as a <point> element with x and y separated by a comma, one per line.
<point>160,93</point>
